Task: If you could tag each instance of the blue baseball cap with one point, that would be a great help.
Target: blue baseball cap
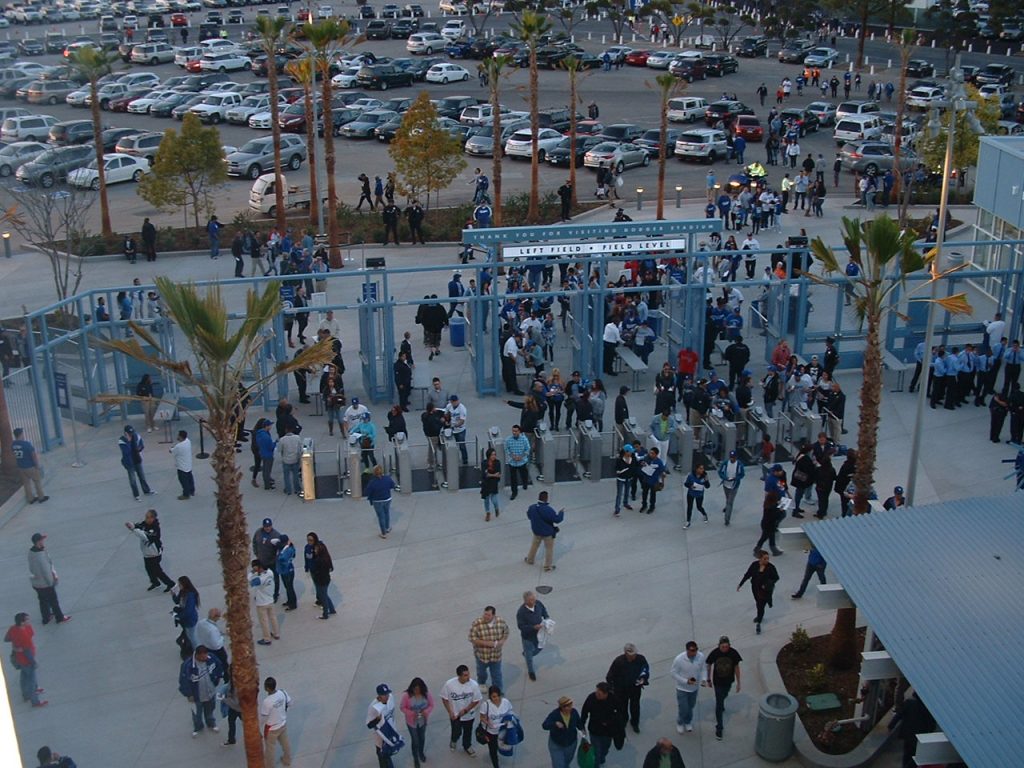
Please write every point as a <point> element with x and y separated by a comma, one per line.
<point>628,448</point>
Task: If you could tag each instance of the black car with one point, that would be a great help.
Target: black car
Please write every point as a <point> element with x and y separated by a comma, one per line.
<point>367,12</point>
<point>559,155</point>
<point>725,110</point>
<point>805,120</point>
<point>919,68</point>
<point>452,106</point>
<point>111,136</point>
<point>402,28</point>
<point>377,30</point>
<point>31,47</point>
<point>418,68</point>
<point>382,77</point>
<point>651,141</point>
<point>755,45</point>
<point>259,64</point>
<point>70,132</point>
<point>719,64</point>
<point>994,73</point>
<point>386,133</point>
<point>551,56</point>
<point>56,43</point>
<point>339,117</point>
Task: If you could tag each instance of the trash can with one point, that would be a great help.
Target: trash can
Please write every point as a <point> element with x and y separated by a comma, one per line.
<point>457,328</point>
<point>775,722</point>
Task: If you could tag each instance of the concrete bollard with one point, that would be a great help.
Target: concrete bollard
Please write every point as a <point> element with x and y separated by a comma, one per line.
<point>847,58</point>
<point>602,40</point>
<point>588,36</point>
<point>970,47</point>
<point>872,37</point>
<point>867,60</point>
<point>933,43</point>
<point>889,64</point>
<point>634,37</point>
<point>988,50</point>
<point>872,70</point>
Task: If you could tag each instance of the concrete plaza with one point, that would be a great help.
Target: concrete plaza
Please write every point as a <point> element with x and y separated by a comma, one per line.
<point>405,604</point>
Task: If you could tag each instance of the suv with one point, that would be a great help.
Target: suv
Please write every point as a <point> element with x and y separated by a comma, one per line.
<point>857,128</point>
<point>378,30</point>
<point>214,108</point>
<point>994,73</point>
<point>54,165</point>
<point>152,53</point>
<point>725,110</point>
<point>870,157</point>
<point>559,119</point>
<point>382,77</point>
<point>452,106</point>
<point>141,145</point>
<point>49,91</point>
<point>425,42</point>
<point>794,51</point>
<point>804,120</point>
<point>689,69</point>
<point>256,157</point>
<point>621,132</point>
<point>703,144</point>
<point>755,45</point>
<point>70,132</point>
<point>719,64</point>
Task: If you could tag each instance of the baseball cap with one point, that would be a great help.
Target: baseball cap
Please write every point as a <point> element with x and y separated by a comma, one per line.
<point>723,639</point>
<point>629,648</point>
<point>267,521</point>
<point>129,428</point>
<point>355,401</point>
<point>898,490</point>
<point>453,398</point>
<point>627,448</point>
<point>777,468</point>
<point>623,389</point>
<point>37,537</point>
<point>383,689</point>
<point>732,454</point>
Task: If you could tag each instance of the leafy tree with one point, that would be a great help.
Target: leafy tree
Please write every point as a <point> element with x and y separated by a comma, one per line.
<point>224,359</point>
<point>932,149</point>
<point>325,39</point>
<point>568,16</point>
<point>908,37</point>
<point>272,32</point>
<point>789,19</point>
<point>668,85</point>
<point>529,28</point>
<point>91,64</point>
<point>427,158</point>
<point>303,71</point>
<point>188,169</point>
<point>862,10</point>
<point>616,11</point>
<point>950,21</point>
<point>664,12</point>
<point>478,21</point>
<point>730,22</point>
<point>494,68</point>
<point>886,255</point>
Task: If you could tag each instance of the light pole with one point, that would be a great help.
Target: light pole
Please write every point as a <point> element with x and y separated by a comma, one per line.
<point>639,198</point>
<point>679,195</point>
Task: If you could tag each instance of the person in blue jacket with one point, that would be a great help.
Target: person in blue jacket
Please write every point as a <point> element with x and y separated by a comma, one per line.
<point>543,523</point>
<point>378,493</point>
<point>131,446</point>
<point>695,484</point>
<point>651,470</point>
<point>286,570</point>
<point>815,565</point>
<point>265,444</point>
<point>731,474</point>
<point>563,727</point>
<point>197,681</point>
<point>186,598</point>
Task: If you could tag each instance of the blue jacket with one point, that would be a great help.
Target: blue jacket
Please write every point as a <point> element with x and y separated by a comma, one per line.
<point>379,489</point>
<point>740,472</point>
<point>814,558</point>
<point>543,518</point>
<point>130,448</point>
<point>655,477</point>
<point>286,560</point>
<point>695,485</point>
<point>188,676</point>
<point>188,611</point>
<point>265,443</point>
<point>564,736</point>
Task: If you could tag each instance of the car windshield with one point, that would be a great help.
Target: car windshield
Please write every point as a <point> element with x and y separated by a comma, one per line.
<point>252,148</point>
<point>486,131</point>
<point>47,157</point>
<point>605,147</point>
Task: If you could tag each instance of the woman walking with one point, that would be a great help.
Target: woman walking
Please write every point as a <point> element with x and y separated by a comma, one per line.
<point>145,390</point>
<point>696,482</point>
<point>333,397</point>
<point>625,471</point>
<point>320,572</point>
<point>762,576</point>
<point>598,398</point>
<point>491,713</point>
<point>769,523</point>
<point>148,533</point>
<point>378,493</point>
<point>563,727</point>
<point>416,705</point>
<point>367,433</point>
<point>555,394</point>
<point>186,598</point>
<point>490,473</point>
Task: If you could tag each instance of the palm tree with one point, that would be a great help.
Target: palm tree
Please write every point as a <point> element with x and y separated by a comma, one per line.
<point>303,71</point>
<point>529,28</point>
<point>572,65</point>
<point>668,86</point>
<point>272,32</point>
<point>493,68</point>
<point>885,256</point>
<point>324,39</point>
<point>223,358</point>
<point>93,64</point>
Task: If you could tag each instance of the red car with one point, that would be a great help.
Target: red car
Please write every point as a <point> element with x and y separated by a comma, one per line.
<point>121,104</point>
<point>749,127</point>
<point>588,128</point>
<point>193,66</point>
<point>291,95</point>
<point>179,20</point>
<point>637,58</point>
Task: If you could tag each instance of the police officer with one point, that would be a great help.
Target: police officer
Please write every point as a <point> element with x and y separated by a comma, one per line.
<point>390,214</point>
<point>414,214</point>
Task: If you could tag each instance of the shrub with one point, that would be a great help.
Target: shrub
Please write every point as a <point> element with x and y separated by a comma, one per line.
<point>817,678</point>
<point>800,640</point>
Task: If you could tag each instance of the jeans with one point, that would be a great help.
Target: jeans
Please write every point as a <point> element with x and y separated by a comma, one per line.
<point>721,692</point>
<point>690,501</point>
<point>27,678</point>
<point>621,494</point>
<point>463,729</point>
<point>460,438</point>
<point>730,497</point>
<point>530,650</point>
<point>383,761</point>
<point>324,598</point>
<point>268,468</point>
<point>652,491</point>
<point>135,470</point>
<point>809,571</point>
<point>489,499</point>
<point>292,484</point>
<point>686,701</point>
<point>233,717</point>
<point>188,483</point>
<point>49,606</point>
<point>417,738</point>
<point>519,476</point>
<point>494,667</point>
<point>214,247</point>
<point>798,497</point>
<point>561,757</point>
<point>203,712</point>
<point>601,744</point>
<point>291,600</point>
<point>383,510</point>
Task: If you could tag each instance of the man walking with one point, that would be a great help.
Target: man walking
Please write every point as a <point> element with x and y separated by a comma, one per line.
<point>601,712</point>
<point>44,579</point>
<point>381,718</point>
<point>543,522</point>
<point>131,446</point>
<point>213,228</point>
<point>565,197</point>
<point>664,754</point>
<point>197,681</point>
<point>28,467</point>
<point>815,565</point>
<point>530,620</point>
<point>237,249</point>
<point>461,696</point>
<point>23,656</point>
<point>517,455</point>
<point>731,474</point>
<point>723,669</point>
<point>509,354</point>
<point>627,676</point>
<point>274,723</point>
<point>182,453</point>
<point>488,634</point>
<point>687,671</point>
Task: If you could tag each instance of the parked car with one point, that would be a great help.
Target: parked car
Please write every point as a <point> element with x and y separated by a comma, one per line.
<point>520,143</point>
<point>825,112</point>
<point>637,58</point>
<point>689,69</point>
<point>214,108</point>
<point>15,155</point>
<point>26,127</point>
<point>754,45</point>
<point>224,62</point>
<point>708,144</point>
<point>54,165</point>
<point>49,91</point>
<point>116,168</point>
<point>872,157</point>
<point>749,127</point>
<point>560,154</point>
<point>622,132</point>
<point>618,156</point>
<point>660,59</point>
<point>919,68</point>
<point>687,109</point>
<point>720,64</point>
<point>363,126</point>
<point>425,42</point>
<point>804,119</point>
<point>821,57</point>
<point>152,53</point>
<point>910,133</point>
<point>382,77</point>
<point>795,51</point>
<point>651,141</point>
<point>446,73</point>
<point>848,108</point>
<point>995,73</point>
<point>922,98</point>
<point>140,145</point>
<point>69,132</point>
<point>256,157</point>
<point>857,128</point>
<point>111,136</point>
<point>725,110</point>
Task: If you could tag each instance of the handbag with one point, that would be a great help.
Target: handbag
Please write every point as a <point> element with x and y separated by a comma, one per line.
<point>585,757</point>
<point>482,736</point>
<point>367,443</point>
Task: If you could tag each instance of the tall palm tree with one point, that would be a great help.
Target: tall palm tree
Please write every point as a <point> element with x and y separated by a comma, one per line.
<point>223,357</point>
<point>92,64</point>
<point>494,68</point>
<point>303,71</point>
<point>885,256</point>
<point>668,86</point>
<point>272,32</point>
<point>572,65</point>
<point>529,28</point>
<point>324,39</point>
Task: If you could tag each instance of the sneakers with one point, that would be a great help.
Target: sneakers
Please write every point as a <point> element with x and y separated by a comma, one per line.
<point>757,627</point>
<point>795,596</point>
<point>183,497</point>
<point>262,642</point>
<point>228,744</point>
<point>643,509</point>
<point>685,526</point>
<point>194,734</point>
<point>689,728</point>
<point>706,519</point>
<point>215,728</point>
<point>679,729</point>
<point>451,746</point>
<point>718,733</point>
<point>533,676</point>
<point>40,704</point>
<point>777,552</point>
<point>471,752</point>
<point>539,477</point>
<point>138,498</point>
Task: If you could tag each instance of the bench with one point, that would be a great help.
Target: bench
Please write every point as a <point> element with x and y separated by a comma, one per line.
<point>893,363</point>
<point>635,364</point>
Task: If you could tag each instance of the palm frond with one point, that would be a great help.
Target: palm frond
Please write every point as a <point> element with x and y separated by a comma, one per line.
<point>957,304</point>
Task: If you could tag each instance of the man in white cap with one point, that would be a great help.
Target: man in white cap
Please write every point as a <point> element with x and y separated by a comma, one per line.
<point>380,717</point>
<point>353,417</point>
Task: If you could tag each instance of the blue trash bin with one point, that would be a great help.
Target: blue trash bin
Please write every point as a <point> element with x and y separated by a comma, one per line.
<point>457,328</point>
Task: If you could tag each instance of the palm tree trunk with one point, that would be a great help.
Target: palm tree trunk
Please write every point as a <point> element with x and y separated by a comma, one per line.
<point>275,131</point>
<point>97,137</point>
<point>533,212</point>
<point>314,192</point>
<point>498,149</point>
<point>662,152</point>
<point>842,648</point>
<point>233,544</point>
<point>334,251</point>
<point>7,461</point>
<point>867,428</point>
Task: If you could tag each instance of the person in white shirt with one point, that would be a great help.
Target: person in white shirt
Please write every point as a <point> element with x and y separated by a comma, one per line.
<point>455,417</point>
<point>182,453</point>
<point>509,354</point>
<point>612,338</point>
<point>353,416</point>
<point>461,696</point>
<point>750,259</point>
<point>331,325</point>
<point>381,712</point>
<point>289,448</point>
<point>687,671</point>
<point>274,723</point>
<point>209,634</point>
<point>262,582</point>
<point>994,330</point>
<point>491,713</point>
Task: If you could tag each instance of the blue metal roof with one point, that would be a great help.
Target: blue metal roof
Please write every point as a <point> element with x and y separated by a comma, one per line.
<point>943,588</point>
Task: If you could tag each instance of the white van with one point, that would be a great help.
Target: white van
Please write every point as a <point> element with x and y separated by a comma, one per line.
<point>686,109</point>
<point>857,128</point>
<point>27,128</point>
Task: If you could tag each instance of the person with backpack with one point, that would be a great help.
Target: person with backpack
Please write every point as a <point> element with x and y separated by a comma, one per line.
<point>131,446</point>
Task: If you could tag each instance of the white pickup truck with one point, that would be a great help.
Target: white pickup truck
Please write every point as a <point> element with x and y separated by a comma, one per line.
<point>262,197</point>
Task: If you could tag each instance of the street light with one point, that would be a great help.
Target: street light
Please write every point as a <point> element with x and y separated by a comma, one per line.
<point>679,195</point>
<point>639,198</point>
<point>7,244</point>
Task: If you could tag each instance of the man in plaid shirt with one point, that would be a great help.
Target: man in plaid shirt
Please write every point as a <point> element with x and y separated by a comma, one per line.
<point>488,635</point>
<point>517,455</point>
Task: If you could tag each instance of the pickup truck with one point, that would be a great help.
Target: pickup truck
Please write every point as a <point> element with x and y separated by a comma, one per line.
<point>262,198</point>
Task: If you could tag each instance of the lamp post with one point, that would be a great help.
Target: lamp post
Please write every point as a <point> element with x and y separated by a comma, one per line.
<point>7,244</point>
<point>679,195</point>
<point>639,198</point>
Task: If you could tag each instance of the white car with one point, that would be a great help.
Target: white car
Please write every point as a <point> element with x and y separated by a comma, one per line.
<point>261,121</point>
<point>182,56</point>
<point>116,168</point>
<point>923,96</point>
<point>252,105</point>
<point>356,60</point>
<point>452,7</point>
<point>660,59</point>
<point>702,143</point>
<point>454,29</point>
<point>218,45</point>
<point>821,57</point>
<point>520,143</point>
<point>992,89</point>
<point>141,105</point>
<point>446,73</point>
<point>366,103</point>
<point>133,79</point>
<point>325,12</point>
<point>77,98</point>
<point>224,62</point>
<point>214,108</point>
<point>425,42</point>
<point>345,78</point>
